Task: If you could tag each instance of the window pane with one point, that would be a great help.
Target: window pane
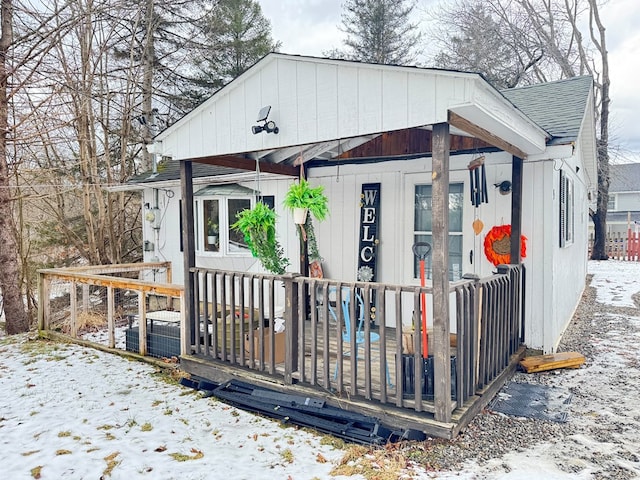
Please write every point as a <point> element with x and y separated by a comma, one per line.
<point>422,208</point>
<point>211,224</point>
<point>455,258</point>
<point>236,239</point>
<point>423,203</point>
<point>423,227</point>
<point>456,197</point>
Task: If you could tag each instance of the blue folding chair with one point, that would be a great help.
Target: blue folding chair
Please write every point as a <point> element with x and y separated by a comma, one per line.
<point>346,333</point>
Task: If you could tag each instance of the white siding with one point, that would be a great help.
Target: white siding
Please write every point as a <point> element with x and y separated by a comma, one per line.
<point>316,100</point>
<point>555,276</point>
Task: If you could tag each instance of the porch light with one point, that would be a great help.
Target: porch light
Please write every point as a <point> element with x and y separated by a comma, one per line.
<point>503,187</point>
<point>268,126</point>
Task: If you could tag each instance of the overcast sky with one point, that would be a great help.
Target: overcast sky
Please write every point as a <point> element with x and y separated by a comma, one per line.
<point>309,27</point>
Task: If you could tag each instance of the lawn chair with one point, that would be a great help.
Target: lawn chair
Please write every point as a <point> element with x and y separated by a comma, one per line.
<point>346,333</point>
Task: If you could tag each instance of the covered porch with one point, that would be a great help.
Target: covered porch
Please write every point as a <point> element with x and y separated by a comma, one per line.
<point>367,109</point>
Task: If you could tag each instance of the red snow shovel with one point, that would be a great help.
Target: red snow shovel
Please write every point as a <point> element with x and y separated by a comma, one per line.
<point>422,250</point>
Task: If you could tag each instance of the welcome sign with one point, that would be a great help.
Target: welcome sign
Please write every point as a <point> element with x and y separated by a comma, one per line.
<point>369,225</point>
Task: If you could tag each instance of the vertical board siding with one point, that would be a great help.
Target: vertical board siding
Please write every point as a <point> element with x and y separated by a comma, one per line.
<point>327,101</point>
<point>307,102</point>
<point>348,95</point>
<point>394,100</point>
<point>369,100</point>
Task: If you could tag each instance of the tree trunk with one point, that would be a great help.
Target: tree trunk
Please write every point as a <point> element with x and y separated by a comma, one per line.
<point>600,217</point>
<point>10,287</point>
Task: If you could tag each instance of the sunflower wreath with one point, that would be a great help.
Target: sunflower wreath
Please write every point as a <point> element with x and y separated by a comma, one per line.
<point>497,245</point>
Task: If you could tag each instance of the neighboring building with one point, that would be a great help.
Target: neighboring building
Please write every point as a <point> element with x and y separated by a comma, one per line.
<point>353,125</point>
<point>623,211</point>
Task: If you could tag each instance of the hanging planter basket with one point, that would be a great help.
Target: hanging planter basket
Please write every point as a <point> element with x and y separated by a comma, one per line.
<point>300,215</point>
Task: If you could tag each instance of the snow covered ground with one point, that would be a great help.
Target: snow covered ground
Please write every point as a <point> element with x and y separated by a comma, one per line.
<point>68,411</point>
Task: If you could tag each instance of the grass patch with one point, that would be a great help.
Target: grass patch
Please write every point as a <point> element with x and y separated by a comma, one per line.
<point>111,464</point>
<point>181,457</point>
<point>36,472</point>
<point>64,434</point>
<point>372,463</point>
<point>146,427</point>
<point>63,451</point>
<point>31,452</point>
<point>287,455</point>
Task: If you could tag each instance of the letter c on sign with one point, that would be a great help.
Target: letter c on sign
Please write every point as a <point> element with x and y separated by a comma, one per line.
<point>366,254</point>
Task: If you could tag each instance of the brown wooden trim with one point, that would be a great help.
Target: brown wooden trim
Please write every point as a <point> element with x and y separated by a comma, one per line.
<point>516,209</point>
<point>189,253</point>
<point>61,337</point>
<point>119,283</point>
<point>242,163</point>
<point>440,258</point>
<point>479,132</point>
<point>104,269</point>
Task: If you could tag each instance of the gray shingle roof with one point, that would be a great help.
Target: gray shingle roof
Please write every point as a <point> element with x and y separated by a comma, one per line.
<point>558,107</point>
<point>624,177</point>
<point>170,170</point>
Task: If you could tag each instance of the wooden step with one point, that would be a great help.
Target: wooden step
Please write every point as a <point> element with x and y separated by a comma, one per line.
<point>541,363</point>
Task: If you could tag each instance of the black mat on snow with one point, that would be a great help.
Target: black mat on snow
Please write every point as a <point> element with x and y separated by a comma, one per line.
<point>532,401</point>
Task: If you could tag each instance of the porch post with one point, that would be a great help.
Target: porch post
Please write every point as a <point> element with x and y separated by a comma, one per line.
<point>440,231</point>
<point>188,256</point>
<point>516,209</point>
<point>291,322</point>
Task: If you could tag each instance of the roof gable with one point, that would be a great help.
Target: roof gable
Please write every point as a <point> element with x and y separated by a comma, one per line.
<point>316,102</point>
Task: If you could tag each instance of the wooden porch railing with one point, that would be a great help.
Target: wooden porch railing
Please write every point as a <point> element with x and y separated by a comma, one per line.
<point>487,319</point>
<point>103,305</point>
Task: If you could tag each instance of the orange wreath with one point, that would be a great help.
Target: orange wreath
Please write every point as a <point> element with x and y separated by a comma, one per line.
<point>497,245</point>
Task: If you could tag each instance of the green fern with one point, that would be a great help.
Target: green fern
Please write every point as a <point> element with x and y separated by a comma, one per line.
<point>258,225</point>
<point>302,195</point>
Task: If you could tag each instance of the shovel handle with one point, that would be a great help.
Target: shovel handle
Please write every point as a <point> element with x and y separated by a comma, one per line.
<point>421,250</point>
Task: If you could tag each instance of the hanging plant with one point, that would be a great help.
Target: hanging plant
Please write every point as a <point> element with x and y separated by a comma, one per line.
<point>258,225</point>
<point>302,195</point>
<point>497,245</point>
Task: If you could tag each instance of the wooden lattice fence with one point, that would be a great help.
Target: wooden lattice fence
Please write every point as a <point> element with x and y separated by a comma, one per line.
<point>620,246</point>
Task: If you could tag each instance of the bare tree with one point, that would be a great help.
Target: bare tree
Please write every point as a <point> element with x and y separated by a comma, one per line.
<point>529,41</point>
<point>12,301</point>
<point>598,37</point>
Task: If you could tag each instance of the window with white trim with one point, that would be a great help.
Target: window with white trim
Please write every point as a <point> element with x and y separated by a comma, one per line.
<point>214,216</point>
<point>422,227</point>
<point>566,210</point>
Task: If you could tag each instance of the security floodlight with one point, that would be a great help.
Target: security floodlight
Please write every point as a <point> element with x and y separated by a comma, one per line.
<point>263,113</point>
<point>269,126</point>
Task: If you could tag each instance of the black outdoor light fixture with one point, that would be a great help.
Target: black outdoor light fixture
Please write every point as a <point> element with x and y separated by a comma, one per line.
<point>504,187</point>
<point>268,126</point>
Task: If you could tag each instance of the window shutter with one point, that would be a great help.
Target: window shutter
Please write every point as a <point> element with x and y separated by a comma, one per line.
<point>563,209</point>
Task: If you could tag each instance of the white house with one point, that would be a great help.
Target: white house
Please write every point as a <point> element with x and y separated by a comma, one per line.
<point>351,125</point>
<point>623,210</point>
